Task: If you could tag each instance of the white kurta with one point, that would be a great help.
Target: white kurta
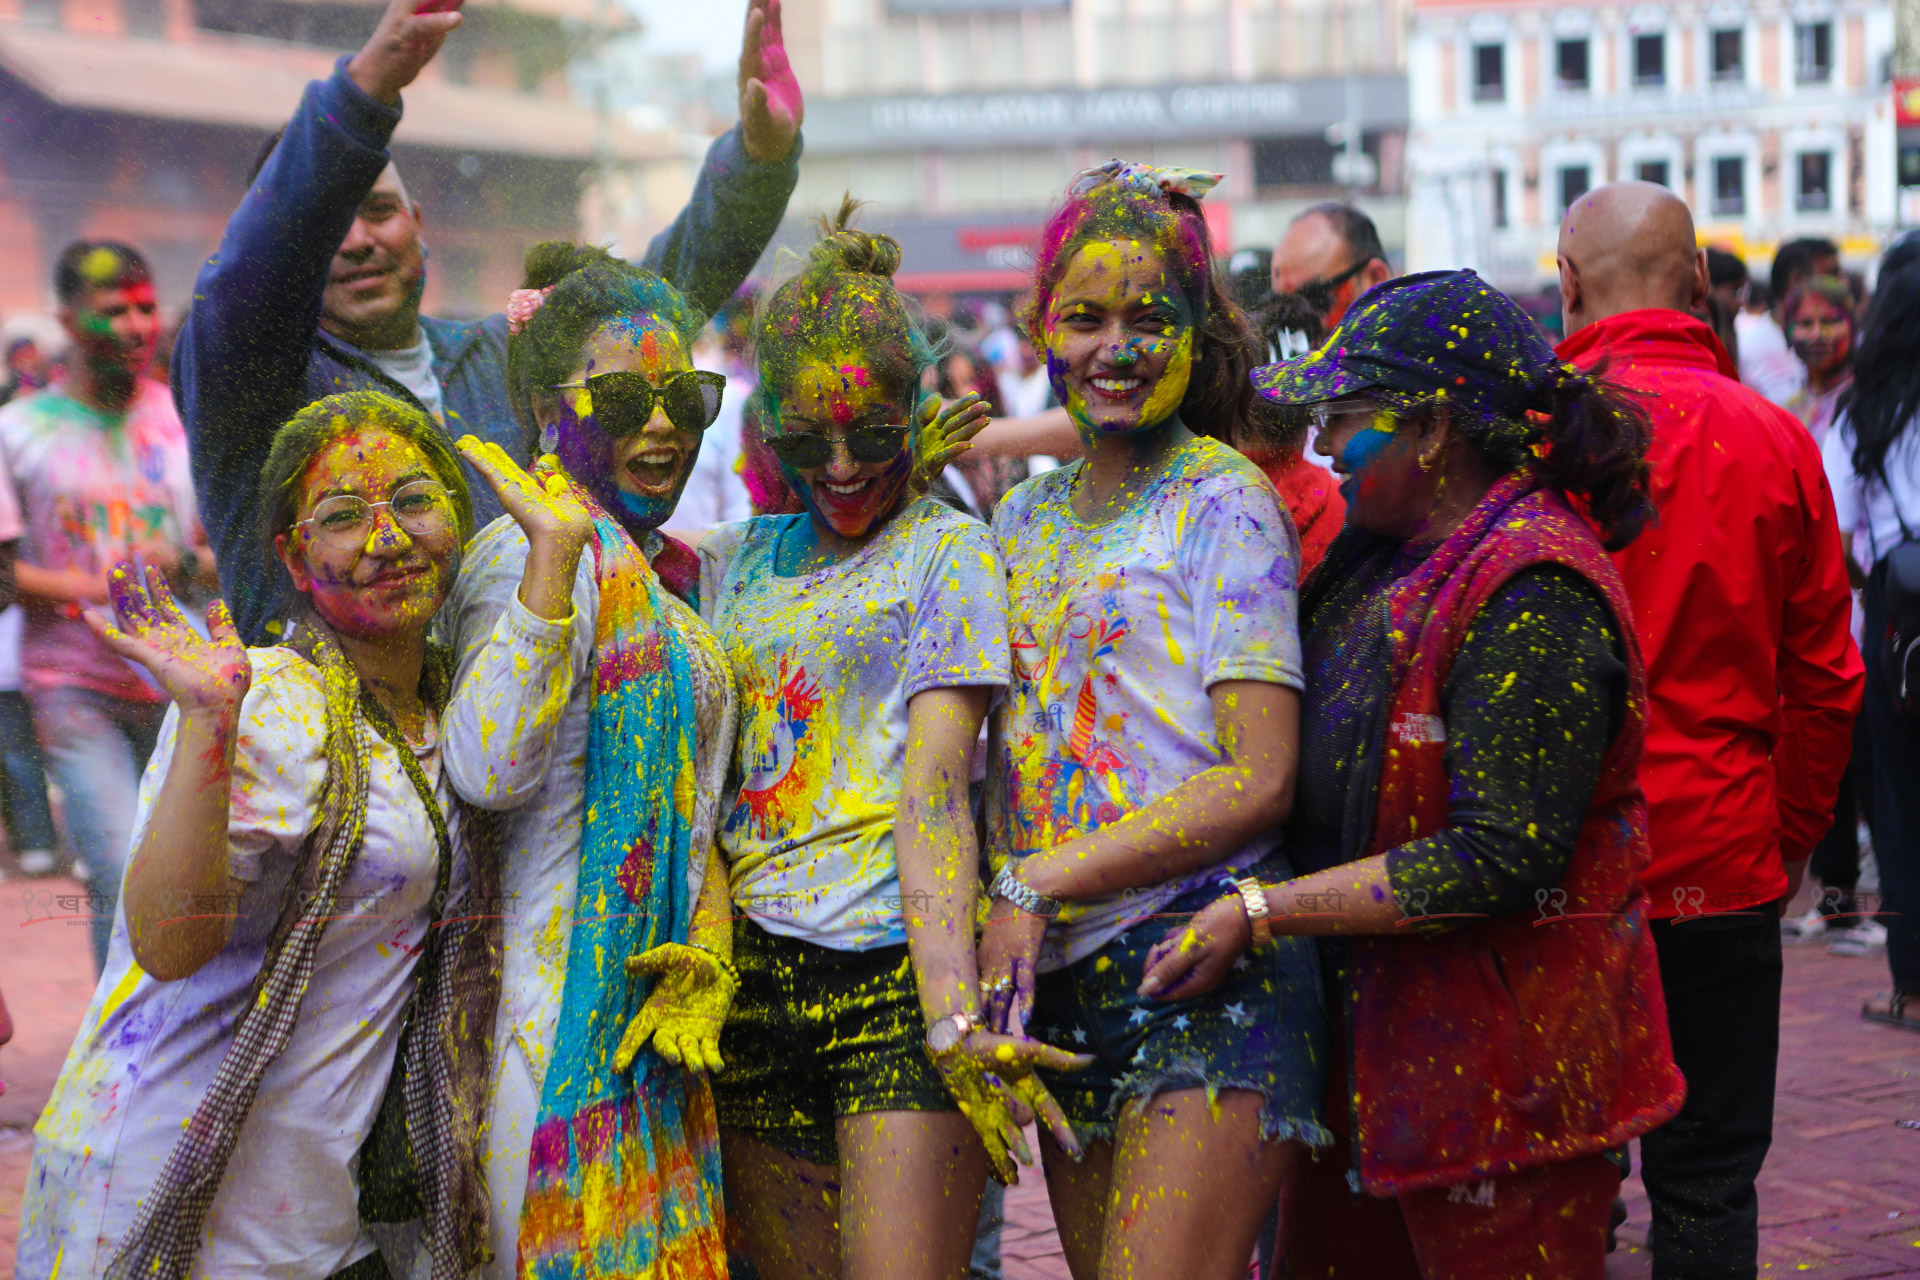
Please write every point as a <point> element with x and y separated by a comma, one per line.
<point>517,741</point>
<point>147,1050</point>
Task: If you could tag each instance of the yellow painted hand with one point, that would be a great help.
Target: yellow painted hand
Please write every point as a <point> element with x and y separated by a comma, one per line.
<point>683,1016</point>
<point>991,1079</point>
<point>946,433</point>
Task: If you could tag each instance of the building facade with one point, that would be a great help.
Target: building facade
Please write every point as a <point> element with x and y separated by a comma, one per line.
<point>961,120</point>
<point>139,120</point>
<point>1772,118</point>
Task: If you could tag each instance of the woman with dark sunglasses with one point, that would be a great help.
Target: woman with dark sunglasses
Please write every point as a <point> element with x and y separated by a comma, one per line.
<point>863,1105</point>
<point>605,750</point>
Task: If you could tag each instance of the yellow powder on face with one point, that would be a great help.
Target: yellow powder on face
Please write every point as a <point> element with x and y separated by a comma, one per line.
<point>1172,387</point>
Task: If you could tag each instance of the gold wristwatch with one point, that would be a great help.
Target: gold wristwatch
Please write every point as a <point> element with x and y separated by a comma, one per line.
<point>1254,899</point>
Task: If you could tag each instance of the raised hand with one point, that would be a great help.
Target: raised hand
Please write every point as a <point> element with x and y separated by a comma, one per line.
<point>771,104</point>
<point>404,41</point>
<point>686,1010</point>
<point>991,1079</point>
<point>207,677</point>
<point>946,432</point>
<point>553,516</point>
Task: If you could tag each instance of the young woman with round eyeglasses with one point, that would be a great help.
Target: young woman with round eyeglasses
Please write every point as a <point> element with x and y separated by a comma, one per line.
<point>309,925</point>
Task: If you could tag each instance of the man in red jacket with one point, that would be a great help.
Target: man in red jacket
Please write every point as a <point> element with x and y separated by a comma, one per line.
<point>1739,594</point>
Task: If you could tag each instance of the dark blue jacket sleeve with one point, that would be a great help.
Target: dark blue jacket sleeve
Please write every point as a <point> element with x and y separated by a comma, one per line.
<point>736,206</point>
<point>241,362</point>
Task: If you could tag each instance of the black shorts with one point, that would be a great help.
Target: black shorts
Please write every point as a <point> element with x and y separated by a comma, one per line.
<point>816,1034</point>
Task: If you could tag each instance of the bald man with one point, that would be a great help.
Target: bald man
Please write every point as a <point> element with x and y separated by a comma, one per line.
<point>1739,595</point>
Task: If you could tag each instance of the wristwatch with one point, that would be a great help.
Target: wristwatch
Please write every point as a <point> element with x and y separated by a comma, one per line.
<point>950,1032</point>
<point>1254,899</point>
<point>1009,886</point>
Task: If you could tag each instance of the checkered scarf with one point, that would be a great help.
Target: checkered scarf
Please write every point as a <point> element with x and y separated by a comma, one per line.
<point>445,1071</point>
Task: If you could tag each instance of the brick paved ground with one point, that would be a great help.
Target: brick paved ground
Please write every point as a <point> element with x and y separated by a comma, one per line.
<point>1840,1197</point>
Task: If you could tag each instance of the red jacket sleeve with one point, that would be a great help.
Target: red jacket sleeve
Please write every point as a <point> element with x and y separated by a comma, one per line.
<point>1820,672</point>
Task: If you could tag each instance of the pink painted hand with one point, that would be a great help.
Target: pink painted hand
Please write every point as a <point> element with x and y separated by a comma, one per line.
<point>771,104</point>
<point>207,677</point>
<point>403,42</point>
<point>688,1006</point>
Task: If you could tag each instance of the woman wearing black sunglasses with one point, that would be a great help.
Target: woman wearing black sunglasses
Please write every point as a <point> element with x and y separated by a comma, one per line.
<point>607,749</point>
<point>862,1106</point>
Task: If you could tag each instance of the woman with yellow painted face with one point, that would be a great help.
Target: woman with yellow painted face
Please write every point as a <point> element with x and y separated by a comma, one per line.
<point>1145,755</point>
<point>863,1104</point>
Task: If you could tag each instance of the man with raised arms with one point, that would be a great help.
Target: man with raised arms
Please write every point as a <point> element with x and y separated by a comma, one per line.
<point>317,283</point>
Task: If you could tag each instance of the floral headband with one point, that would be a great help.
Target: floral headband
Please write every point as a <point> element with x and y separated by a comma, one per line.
<point>1194,183</point>
<point>521,304</point>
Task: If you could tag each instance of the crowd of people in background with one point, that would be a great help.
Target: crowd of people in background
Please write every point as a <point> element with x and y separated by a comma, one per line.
<point>670,778</point>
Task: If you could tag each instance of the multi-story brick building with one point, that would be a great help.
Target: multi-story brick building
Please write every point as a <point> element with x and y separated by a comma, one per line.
<point>1773,119</point>
<point>962,119</point>
<point>140,119</point>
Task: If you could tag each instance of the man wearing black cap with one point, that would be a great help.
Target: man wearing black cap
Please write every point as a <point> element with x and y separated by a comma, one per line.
<point>1739,594</point>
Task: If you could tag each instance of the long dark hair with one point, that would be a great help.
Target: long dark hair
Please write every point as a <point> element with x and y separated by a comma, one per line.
<point>1220,393</point>
<point>1885,394</point>
<point>1595,440</point>
<point>1584,435</point>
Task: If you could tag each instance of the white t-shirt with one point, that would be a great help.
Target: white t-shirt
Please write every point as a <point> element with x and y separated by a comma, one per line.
<point>412,368</point>
<point>1874,510</point>
<point>825,664</point>
<point>12,621</point>
<point>1119,631</point>
<point>1767,363</point>
<point>147,1050</point>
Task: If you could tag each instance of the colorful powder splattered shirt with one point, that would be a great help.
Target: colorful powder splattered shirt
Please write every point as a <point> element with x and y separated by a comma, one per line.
<point>825,664</point>
<point>1119,630</point>
<point>148,1050</point>
<point>94,489</point>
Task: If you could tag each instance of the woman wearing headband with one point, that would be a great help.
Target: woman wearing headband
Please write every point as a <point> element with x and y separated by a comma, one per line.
<point>595,712</point>
<point>863,1103</point>
<point>1469,823</point>
<point>1144,757</point>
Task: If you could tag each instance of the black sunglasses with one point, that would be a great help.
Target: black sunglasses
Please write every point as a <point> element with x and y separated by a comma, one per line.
<point>623,402</point>
<point>1319,293</point>
<point>804,450</point>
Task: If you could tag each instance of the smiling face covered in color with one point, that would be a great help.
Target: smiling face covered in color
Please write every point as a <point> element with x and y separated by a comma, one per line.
<point>847,403</point>
<point>392,583</point>
<point>638,476</point>
<point>1119,337</point>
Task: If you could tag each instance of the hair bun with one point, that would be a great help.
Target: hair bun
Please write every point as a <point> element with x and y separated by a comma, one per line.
<point>844,247</point>
<point>551,261</point>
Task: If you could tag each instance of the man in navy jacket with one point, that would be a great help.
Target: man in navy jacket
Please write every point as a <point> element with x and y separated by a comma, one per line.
<point>316,285</point>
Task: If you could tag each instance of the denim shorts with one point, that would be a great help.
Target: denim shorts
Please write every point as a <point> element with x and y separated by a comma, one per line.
<point>816,1034</point>
<point>1263,1028</point>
